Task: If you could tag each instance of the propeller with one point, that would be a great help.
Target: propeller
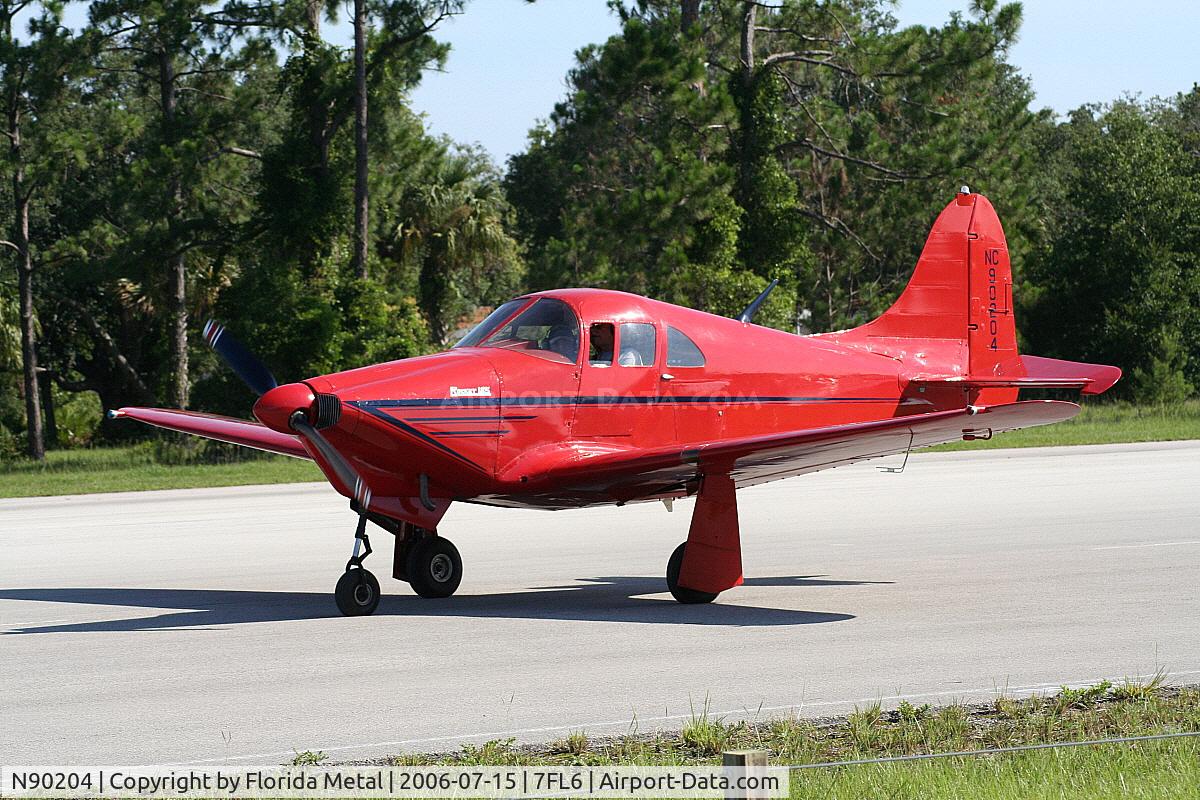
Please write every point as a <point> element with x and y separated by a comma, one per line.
<point>292,407</point>
<point>247,366</point>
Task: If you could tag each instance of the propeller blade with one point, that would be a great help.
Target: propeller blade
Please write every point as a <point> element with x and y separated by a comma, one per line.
<point>752,309</point>
<point>346,473</point>
<point>253,372</point>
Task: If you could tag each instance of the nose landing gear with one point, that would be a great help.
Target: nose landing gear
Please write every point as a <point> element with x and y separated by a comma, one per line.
<point>428,562</point>
<point>357,591</point>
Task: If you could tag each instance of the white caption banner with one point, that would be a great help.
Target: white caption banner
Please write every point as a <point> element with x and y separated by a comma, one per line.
<point>399,782</point>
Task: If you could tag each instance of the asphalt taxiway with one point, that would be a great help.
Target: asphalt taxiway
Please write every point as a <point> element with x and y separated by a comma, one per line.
<point>198,626</point>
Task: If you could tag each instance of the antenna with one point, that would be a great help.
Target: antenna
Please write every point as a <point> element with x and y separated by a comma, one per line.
<point>748,314</point>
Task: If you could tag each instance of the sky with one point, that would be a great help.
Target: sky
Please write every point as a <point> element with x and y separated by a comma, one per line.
<point>510,58</point>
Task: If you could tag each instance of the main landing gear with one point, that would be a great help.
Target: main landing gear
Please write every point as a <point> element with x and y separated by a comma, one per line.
<point>428,562</point>
<point>710,561</point>
<point>433,566</point>
<point>681,593</point>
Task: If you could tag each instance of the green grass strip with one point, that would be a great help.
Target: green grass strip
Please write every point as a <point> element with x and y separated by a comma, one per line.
<point>1160,770</point>
<point>1110,423</point>
<point>138,468</point>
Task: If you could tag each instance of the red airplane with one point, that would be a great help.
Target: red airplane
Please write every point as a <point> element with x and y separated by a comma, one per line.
<point>586,397</point>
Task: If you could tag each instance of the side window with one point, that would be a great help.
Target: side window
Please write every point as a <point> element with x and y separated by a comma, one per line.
<point>682,351</point>
<point>637,344</point>
<point>601,338</point>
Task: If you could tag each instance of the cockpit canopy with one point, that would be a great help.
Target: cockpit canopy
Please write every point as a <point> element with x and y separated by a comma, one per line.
<point>548,328</point>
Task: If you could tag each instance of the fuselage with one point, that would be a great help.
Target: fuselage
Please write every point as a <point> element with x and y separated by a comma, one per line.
<point>482,419</point>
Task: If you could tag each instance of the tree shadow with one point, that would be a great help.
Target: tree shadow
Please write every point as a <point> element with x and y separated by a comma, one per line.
<point>601,599</point>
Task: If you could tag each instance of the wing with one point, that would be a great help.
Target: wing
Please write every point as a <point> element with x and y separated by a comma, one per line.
<point>583,477</point>
<point>223,429</point>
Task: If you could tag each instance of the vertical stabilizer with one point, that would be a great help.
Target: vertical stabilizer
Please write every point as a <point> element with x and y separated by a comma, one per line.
<point>955,317</point>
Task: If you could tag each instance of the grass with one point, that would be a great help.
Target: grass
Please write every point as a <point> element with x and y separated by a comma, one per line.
<point>1107,423</point>
<point>167,464</point>
<point>1167,768</point>
<point>138,467</point>
<point>309,758</point>
<point>1158,770</point>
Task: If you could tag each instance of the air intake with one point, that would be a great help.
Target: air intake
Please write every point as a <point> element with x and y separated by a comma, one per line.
<point>327,410</point>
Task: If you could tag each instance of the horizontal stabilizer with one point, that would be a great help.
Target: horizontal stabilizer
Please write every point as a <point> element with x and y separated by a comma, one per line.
<point>1092,378</point>
<point>224,429</point>
<point>1039,373</point>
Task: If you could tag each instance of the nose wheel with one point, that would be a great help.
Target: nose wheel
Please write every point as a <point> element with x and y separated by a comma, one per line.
<point>357,592</point>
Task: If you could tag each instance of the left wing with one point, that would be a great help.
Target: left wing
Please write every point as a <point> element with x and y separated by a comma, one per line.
<point>585,477</point>
<point>223,429</point>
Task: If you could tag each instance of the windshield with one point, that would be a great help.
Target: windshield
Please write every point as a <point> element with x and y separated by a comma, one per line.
<point>548,329</point>
<point>489,324</point>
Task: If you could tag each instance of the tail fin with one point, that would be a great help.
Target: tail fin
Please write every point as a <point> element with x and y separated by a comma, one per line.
<point>954,321</point>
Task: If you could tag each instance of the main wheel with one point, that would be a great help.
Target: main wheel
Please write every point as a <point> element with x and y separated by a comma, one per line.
<point>434,567</point>
<point>357,593</point>
<point>684,595</point>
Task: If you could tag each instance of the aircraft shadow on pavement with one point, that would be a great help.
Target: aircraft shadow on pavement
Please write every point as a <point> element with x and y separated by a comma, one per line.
<point>604,599</point>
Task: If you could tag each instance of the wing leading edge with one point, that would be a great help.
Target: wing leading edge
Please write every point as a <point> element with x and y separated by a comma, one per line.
<point>638,475</point>
<point>224,429</point>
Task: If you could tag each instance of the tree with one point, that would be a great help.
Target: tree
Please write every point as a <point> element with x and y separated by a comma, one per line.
<point>452,227</point>
<point>740,141</point>
<point>628,186</point>
<point>1119,280</point>
<point>182,54</point>
<point>305,186</point>
<point>147,222</point>
<point>862,116</point>
<point>361,204</point>
<point>34,79</point>
<point>417,19</point>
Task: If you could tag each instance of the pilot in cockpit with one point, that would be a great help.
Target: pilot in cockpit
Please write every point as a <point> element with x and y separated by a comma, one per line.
<point>601,338</point>
<point>563,338</point>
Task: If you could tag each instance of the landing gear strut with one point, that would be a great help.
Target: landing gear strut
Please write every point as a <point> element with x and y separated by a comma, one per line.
<point>710,561</point>
<point>357,591</point>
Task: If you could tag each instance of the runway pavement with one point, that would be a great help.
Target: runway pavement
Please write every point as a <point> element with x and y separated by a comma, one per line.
<point>198,626</point>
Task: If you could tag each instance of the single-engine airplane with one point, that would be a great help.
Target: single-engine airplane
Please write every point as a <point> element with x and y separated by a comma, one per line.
<point>585,397</point>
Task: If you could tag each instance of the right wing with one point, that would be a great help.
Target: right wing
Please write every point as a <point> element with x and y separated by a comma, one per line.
<point>586,477</point>
<point>223,429</point>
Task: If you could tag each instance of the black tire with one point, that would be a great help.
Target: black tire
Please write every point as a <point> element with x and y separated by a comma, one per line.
<point>683,595</point>
<point>434,567</point>
<point>357,593</point>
